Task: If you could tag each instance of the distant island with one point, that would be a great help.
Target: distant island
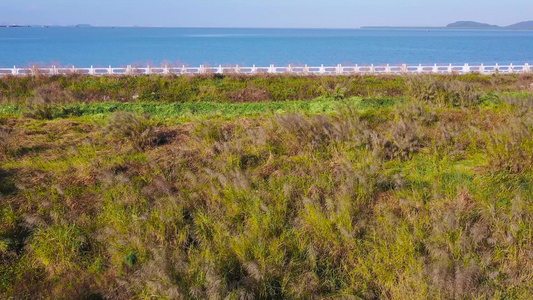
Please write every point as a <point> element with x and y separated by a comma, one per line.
<point>526,25</point>
<point>477,25</point>
<point>44,26</point>
<point>14,26</point>
<point>522,25</point>
<point>471,24</point>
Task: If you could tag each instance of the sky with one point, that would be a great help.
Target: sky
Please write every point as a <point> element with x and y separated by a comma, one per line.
<point>263,13</point>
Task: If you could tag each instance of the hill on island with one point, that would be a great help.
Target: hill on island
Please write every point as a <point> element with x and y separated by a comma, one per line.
<point>475,25</point>
<point>522,25</point>
<point>470,24</point>
<point>526,25</point>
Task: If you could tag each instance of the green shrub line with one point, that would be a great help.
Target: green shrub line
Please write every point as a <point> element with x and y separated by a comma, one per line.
<point>177,110</point>
<point>226,110</point>
<point>230,88</point>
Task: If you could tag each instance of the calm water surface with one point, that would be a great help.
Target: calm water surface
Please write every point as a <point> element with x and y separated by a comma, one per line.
<point>122,46</point>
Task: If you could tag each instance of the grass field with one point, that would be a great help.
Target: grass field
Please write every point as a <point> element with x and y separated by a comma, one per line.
<point>275,187</point>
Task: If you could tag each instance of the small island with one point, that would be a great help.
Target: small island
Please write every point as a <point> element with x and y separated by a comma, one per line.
<point>526,25</point>
<point>471,24</point>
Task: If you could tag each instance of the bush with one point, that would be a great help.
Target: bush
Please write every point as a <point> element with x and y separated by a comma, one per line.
<point>336,89</point>
<point>41,112</point>
<point>510,149</point>
<point>131,128</point>
<point>432,89</point>
<point>52,93</point>
<point>522,104</point>
<point>249,94</point>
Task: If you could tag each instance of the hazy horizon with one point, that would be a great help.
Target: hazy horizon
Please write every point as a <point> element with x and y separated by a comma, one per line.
<point>256,14</point>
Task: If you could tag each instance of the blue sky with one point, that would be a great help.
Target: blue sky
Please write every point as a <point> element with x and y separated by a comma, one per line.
<point>263,13</point>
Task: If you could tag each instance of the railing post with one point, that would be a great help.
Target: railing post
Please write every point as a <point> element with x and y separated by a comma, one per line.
<point>511,68</point>
<point>271,69</point>
<point>254,70</point>
<point>526,68</point>
<point>91,70</point>
<point>148,70</point>
<point>110,70</point>
<point>15,71</point>
<point>387,69</point>
<point>339,69</point>
<point>306,69</point>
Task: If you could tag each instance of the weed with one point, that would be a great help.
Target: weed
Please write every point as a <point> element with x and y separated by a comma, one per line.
<point>131,128</point>
<point>6,141</point>
<point>58,248</point>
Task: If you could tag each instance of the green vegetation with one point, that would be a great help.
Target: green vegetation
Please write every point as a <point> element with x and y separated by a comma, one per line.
<point>180,112</point>
<point>266,187</point>
<point>42,90</point>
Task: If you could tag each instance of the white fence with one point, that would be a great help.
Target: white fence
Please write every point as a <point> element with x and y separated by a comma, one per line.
<point>272,69</point>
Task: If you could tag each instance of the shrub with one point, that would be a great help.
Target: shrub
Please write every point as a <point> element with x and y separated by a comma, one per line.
<point>522,104</point>
<point>432,89</point>
<point>41,112</point>
<point>52,93</point>
<point>400,141</point>
<point>510,149</point>
<point>131,128</point>
<point>249,94</point>
<point>336,88</point>
<point>416,112</point>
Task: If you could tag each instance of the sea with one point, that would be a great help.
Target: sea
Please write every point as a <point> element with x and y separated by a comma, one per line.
<point>104,46</point>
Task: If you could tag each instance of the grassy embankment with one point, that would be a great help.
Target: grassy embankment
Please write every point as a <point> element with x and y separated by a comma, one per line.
<point>308,187</point>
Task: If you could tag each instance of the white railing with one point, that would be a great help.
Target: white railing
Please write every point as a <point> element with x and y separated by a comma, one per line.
<point>272,69</point>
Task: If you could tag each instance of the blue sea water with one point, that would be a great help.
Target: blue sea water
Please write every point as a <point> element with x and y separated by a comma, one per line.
<point>101,46</point>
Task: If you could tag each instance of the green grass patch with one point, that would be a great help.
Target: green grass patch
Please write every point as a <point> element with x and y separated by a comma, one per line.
<point>186,111</point>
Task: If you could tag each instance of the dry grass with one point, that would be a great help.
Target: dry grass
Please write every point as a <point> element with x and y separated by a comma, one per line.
<point>132,129</point>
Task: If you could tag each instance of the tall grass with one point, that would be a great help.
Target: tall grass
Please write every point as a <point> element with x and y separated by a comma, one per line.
<point>416,197</point>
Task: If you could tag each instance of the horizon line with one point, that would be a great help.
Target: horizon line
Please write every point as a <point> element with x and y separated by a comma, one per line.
<point>4,25</point>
